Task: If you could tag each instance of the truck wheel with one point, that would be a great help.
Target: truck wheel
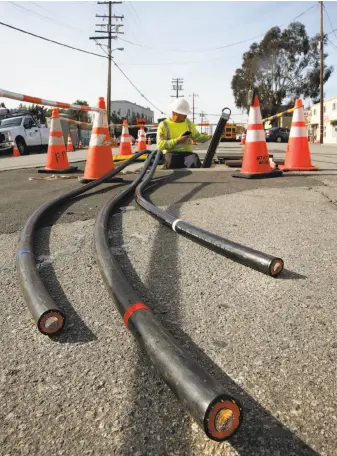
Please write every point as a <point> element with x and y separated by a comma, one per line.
<point>22,147</point>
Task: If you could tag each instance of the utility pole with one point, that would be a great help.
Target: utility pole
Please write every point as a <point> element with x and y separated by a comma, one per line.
<point>112,31</point>
<point>202,116</point>
<point>177,85</point>
<point>194,95</point>
<point>321,78</point>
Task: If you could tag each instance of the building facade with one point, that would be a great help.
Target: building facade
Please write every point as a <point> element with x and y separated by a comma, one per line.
<point>329,121</point>
<point>131,111</point>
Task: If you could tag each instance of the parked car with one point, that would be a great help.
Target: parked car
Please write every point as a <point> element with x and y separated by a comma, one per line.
<point>277,134</point>
<point>26,133</point>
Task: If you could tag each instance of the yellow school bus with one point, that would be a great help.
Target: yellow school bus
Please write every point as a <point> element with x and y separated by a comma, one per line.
<point>230,132</point>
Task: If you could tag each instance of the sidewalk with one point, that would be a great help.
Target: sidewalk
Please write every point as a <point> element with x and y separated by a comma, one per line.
<point>37,160</point>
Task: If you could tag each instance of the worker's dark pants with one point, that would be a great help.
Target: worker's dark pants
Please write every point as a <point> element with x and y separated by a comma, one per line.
<point>174,160</point>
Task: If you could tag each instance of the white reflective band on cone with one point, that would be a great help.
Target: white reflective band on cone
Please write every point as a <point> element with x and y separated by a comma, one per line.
<point>254,116</point>
<point>105,119</point>
<point>56,141</point>
<point>98,140</point>
<point>97,119</point>
<point>255,135</point>
<point>298,132</point>
<point>298,115</point>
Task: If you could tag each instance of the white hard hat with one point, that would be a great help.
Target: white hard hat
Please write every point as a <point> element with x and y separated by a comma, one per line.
<point>181,106</point>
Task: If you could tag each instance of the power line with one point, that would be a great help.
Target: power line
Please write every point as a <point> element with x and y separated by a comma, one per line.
<point>133,85</point>
<point>43,16</point>
<point>86,52</point>
<point>52,41</point>
<point>332,31</point>
<point>136,14</point>
<point>161,112</point>
<point>328,16</point>
<point>332,43</point>
<point>217,47</point>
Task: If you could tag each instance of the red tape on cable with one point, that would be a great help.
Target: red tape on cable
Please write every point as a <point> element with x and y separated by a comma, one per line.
<point>132,309</point>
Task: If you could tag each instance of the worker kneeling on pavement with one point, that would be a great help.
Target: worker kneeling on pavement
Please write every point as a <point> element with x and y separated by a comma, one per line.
<point>174,137</point>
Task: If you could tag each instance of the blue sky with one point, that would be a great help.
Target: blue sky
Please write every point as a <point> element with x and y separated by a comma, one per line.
<point>34,67</point>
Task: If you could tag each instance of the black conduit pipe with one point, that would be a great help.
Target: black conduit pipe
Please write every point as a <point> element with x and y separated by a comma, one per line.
<point>268,264</point>
<point>216,138</point>
<point>218,414</point>
<point>47,315</point>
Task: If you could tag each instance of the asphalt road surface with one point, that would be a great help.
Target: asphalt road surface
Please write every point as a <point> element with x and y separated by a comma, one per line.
<point>270,342</point>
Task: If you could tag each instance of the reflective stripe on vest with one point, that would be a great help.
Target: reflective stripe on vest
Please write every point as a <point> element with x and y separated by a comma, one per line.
<point>168,133</point>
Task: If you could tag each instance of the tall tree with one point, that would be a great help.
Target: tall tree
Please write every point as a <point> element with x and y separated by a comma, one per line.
<point>282,67</point>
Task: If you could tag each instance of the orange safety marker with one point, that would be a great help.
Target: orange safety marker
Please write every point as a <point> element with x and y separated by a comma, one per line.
<point>298,153</point>
<point>243,139</point>
<point>70,147</point>
<point>16,152</point>
<point>255,161</point>
<point>141,140</point>
<point>99,161</point>
<point>125,148</point>
<point>80,145</point>
<point>57,159</point>
<point>149,142</point>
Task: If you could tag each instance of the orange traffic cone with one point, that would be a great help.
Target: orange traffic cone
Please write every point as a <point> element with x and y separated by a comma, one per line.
<point>193,142</point>
<point>16,152</point>
<point>255,161</point>
<point>243,138</point>
<point>141,140</point>
<point>99,161</point>
<point>298,152</point>
<point>57,159</point>
<point>125,146</point>
<point>80,145</point>
<point>70,147</point>
<point>149,142</point>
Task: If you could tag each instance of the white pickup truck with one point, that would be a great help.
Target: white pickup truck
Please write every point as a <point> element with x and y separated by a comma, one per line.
<point>26,133</point>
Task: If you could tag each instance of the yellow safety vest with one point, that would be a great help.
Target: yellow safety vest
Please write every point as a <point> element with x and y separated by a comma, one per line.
<point>168,132</point>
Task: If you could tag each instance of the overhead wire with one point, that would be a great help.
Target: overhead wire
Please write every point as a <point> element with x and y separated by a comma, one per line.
<point>85,52</point>
<point>167,63</point>
<point>135,11</point>
<point>52,41</point>
<point>225,46</point>
<point>43,16</point>
<point>332,44</point>
<point>328,16</point>
<point>133,85</point>
<point>333,30</point>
